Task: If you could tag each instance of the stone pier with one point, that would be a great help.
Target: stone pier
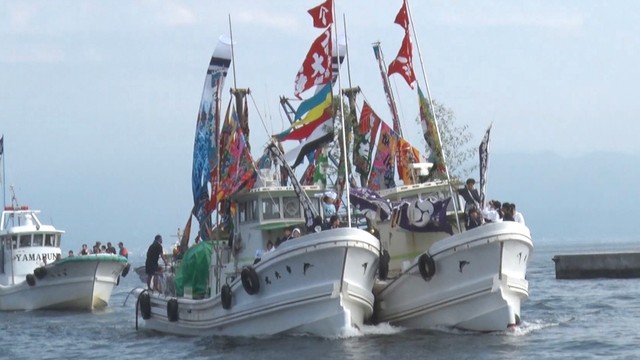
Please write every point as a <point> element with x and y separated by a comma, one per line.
<point>600,265</point>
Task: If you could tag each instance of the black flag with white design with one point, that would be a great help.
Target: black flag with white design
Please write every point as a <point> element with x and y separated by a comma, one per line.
<point>484,163</point>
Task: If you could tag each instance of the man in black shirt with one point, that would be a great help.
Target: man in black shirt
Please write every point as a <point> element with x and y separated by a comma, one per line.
<point>470,195</point>
<point>154,253</point>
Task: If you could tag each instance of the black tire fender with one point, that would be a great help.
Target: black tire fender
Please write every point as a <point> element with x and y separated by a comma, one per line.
<point>172,310</point>
<point>31,280</point>
<point>40,272</point>
<point>383,268</point>
<point>427,266</point>
<point>126,269</point>
<point>250,280</point>
<point>145,305</point>
<point>225,296</point>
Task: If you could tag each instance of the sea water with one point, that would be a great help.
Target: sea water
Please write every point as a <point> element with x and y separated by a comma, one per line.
<point>563,319</point>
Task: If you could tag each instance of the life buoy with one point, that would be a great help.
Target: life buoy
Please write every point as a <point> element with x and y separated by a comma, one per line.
<point>40,272</point>
<point>225,296</point>
<point>427,267</point>
<point>126,269</point>
<point>292,208</point>
<point>383,268</point>
<point>250,280</point>
<point>144,300</point>
<point>31,280</point>
<point>172,310</point>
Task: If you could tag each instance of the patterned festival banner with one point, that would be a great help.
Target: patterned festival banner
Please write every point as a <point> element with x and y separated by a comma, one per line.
<point>364,140</point>
<point>382,173</point>
<point>205,148</point>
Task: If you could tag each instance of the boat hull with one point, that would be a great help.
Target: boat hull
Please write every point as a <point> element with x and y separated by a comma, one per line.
<point>319,284</point>
<point>478,283</point>
<point>77,283</point>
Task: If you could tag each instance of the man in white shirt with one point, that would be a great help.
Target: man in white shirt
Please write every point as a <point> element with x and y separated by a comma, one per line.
<point>490,212</point>
<point>517,216</point>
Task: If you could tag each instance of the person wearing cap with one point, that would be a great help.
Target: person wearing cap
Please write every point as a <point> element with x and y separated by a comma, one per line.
<point>295,233</point>
<point>154,253</point>
<point>328,204</point>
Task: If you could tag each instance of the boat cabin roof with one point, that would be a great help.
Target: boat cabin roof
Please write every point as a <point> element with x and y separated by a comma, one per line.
<point>23,220</point>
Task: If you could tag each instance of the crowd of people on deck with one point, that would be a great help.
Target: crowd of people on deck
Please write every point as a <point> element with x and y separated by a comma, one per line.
<point>98,248</point>
<point>490,212</point>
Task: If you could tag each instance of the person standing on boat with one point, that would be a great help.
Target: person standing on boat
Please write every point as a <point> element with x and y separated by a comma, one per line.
<point>470,195</point>
<point>111,249</point>
<point>123,250</point>
<point>84,250</point>
<point>154,253</point>
<point>328,204</point>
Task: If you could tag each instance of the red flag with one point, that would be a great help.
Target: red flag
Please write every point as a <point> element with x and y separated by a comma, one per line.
<point>403,63</point>
<point>316,68</point>
<point>322,15</point>
<point>402,18</point>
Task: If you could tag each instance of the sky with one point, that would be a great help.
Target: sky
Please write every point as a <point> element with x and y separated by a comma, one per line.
<point>98,101</point>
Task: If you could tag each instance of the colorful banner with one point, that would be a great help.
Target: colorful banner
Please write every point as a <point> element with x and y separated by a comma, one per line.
<point>430,132</point>
<point>364,140</point>
<point>205,147</point>
<point>407,155</point>
<point>321,135</point>
<point>322,14</point>
<point>235,161</point>
<point>382,172</point>
<point>316,68</point>
<point>403,63</point>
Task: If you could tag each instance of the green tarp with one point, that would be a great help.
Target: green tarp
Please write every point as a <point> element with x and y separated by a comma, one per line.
<point>194,270</point>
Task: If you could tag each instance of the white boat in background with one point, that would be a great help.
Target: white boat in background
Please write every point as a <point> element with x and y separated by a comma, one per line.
<point>34,276</point>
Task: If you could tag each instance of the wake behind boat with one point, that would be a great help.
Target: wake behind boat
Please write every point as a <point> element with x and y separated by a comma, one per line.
<point>34,276</point>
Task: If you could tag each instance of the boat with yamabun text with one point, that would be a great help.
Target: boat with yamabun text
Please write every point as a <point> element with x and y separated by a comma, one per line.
<point>35,276</point>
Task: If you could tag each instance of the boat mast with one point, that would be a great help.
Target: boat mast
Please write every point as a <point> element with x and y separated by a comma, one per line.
<point>343,134</point>
<point>377,51</point>
<point>435,118</point>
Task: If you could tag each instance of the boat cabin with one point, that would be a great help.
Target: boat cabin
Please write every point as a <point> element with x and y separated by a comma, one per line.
<point>264,212</point>
<point>25,244</point>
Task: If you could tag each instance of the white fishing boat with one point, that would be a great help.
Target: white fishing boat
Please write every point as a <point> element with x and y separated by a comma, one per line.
<point>319,283</point>
<point>35,276</point>
<point>472,280</point>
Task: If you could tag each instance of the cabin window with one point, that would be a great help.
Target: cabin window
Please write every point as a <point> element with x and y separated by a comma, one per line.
<point>37,239</point>
<point>50,240</point>
<point>14,241</point>
<point>316,204</point>
<point>251,210</point>
<point>291,207</point>
<point>25,241</point>
<point>271,208</point>
<point>242,212</point>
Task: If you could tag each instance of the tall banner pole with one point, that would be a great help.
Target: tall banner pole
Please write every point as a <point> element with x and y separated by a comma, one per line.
<point>435,118</point>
